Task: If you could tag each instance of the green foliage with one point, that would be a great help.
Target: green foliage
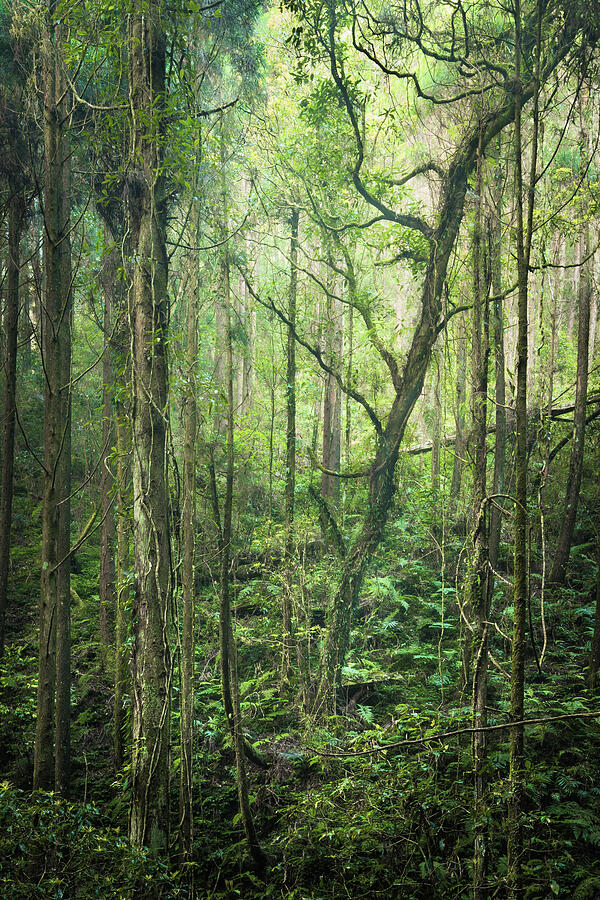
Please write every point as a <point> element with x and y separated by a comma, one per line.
<point>54,849</point>
<point>17,705</point>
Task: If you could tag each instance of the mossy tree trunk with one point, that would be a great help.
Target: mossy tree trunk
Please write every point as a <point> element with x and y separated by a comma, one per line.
<point>290,455</point>
<point>478,595</point>
<point>584,294</point>
<point>495,512</point>
<point>50,768</point>
<point>190,421</point>
<point>16,209</point>
<point>148,316</point>
<point>62,765</point>
<point>108,587</point>
<point>524,233</point>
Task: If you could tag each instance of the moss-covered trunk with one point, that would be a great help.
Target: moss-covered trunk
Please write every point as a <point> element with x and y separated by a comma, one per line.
<point>148,316</point>
<point>11,331</point>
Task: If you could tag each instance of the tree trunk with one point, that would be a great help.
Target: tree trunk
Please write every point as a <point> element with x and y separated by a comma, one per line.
<point>436,443</point>
<point>187,570</point>
<point>107,500</point>
<point>151,658</point>
<point>569,517</point>
<point>461,389</point>
<point>113,617</point>
<point>332,404</point>
<point>349,352</point>
<point>63,481</point>
<point>521,521</point>
<point>11,330</point>
<point>478,576</point>
<point>290,469</point>
<point>123,440</point>
<point>228,662</point>
<point>56,327</point>
<point>408,387</point>
<point>500,387</point>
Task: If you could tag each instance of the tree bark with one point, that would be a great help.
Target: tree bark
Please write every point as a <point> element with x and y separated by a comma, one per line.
<point>436,442</point>
<point>190,417</point>
<point>123,441</point>
<point>332,403</point>
<point>11,331</point>
<point>521,520</point>
<point>63,480</point>
<point>107,486</point>
<point>56,336</point>
<point>569,517</point>
<point>478,576</point>
<point>500,381</point>
<point>459,418</point>
<point>290,469</point>
<point>228,661</point>
<point>148,313</point>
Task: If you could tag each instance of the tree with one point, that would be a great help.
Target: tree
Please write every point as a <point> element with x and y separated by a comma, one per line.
<point>54,636</point>
<point>584,293</point>
<point>492,113</point>
<point>290,444</point>
<point>16,218</point>
<point>148,323</point>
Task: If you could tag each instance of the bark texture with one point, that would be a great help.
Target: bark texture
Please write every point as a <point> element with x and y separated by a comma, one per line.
<point>190,419</point>
<point>11,332</point>
<point>290,455</point>
<point>148,314</point>
<point>569,517</point>
<point>56,348</point>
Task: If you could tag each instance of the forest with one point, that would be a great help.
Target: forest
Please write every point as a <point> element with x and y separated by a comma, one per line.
<point>299,443</point>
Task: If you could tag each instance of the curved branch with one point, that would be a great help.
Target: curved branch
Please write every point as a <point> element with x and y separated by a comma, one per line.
<point>316,352</point>
<point>406,220</point>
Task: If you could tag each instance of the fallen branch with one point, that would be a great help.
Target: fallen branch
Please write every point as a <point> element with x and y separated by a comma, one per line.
<point>383,748</point>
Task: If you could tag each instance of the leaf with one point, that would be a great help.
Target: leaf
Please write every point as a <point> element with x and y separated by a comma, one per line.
<point>366,713</point>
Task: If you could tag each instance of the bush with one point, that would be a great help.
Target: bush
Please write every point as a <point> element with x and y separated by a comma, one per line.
<point>55,849</point>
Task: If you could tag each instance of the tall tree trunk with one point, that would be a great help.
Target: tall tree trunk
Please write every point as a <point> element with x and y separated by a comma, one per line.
<point>151,657</point>
<point>107,486</point>
<point>436,441</point>
<point>500,386</point>
<point>521,521</point>
<point>332,403</point>
<point>115,570</point>
<point>11,330</point>
<point>63,480</point>
<point>478,590</point>
<point>349,353</point>
<point>459,416</point>
<point>290,456</point>
<point>249,314</point>
<point>186,818</point>
<point>569,517</point>
<point>56,334</point>
<point>123,442</point>
<point>228,661</point>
